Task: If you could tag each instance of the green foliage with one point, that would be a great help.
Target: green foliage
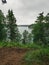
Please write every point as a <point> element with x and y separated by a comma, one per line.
<point>38,30</point>
<point>2,26</point>
<point>30,38</point>
<point>18,36</point>
<point>12,25</point>
<point>25,36</point>
<point>20,45</point>
<point>47,28</point>
<point>38,56</point>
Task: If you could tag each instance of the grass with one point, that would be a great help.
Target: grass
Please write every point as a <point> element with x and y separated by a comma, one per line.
<point>38,57</point>
<point>20,45</point>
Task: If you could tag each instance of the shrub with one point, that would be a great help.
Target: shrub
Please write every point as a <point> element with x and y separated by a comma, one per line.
<point>38,56</point>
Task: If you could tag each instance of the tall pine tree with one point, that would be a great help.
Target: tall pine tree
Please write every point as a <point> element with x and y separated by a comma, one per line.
<point>12,25</point>
<point>38,30</point>
<point>2,26</point>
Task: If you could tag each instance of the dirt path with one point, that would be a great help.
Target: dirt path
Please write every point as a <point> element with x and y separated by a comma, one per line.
<point>11,56</point>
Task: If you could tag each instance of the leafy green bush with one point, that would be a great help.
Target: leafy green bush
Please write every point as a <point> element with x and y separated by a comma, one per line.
<point>39,56</point>
<point>3,44</point>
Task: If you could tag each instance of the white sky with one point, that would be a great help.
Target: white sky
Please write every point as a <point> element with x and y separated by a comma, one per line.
<point>26,11</point>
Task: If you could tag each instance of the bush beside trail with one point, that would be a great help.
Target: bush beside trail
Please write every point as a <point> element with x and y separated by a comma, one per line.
<point>40,57</point>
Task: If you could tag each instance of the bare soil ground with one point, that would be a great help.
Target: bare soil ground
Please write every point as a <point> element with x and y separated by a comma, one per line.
<point>12,56</point>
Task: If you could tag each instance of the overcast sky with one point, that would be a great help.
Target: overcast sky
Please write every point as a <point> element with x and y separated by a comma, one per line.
<point>26,11</point>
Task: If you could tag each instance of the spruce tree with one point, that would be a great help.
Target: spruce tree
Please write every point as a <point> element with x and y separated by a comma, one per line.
<point>38,30</point>
<point>2,26</point>
<point>12,25</point>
